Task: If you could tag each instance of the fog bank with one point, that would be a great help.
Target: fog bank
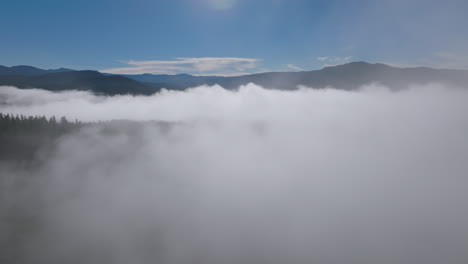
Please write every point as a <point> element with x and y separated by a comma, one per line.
<point>247,176</point>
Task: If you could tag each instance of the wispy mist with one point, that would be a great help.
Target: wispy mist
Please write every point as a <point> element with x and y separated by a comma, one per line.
<point>246,176</point>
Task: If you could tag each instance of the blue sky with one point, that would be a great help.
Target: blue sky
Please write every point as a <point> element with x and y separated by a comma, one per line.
<point>229,37</point>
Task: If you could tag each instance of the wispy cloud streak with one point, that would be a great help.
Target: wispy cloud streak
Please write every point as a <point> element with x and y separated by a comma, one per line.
<point>294,67</point>
<point>196,66</point>
<point>333,61</point>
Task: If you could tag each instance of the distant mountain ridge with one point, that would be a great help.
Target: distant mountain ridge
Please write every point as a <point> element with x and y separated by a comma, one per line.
<point>93,81</point>
<point>28,70</point>
<point>348,76</point>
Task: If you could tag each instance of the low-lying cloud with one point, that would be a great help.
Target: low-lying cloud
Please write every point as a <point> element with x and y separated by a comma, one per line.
<point>249,176</point>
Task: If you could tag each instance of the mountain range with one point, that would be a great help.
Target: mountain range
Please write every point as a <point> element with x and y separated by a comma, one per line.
<point>348,76</point>
<point>27,70</point>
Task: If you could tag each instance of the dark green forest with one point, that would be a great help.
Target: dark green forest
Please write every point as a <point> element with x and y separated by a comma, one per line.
<point>25,143</point>
<point>32,138</point>
<point>23,138</point>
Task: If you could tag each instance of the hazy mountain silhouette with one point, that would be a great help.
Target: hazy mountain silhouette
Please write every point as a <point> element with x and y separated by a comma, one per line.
<point>80,80</point>
<point>348,76</point>
<point>27,70</point>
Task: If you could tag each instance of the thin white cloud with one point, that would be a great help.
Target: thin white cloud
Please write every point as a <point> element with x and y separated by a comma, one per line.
<point>445,59</point>
<point>222,4</point>
<point>401,64</point>
<point>333,61</point>
<point>294,67</point>
<point>440,60</point>
<point>226,66</point>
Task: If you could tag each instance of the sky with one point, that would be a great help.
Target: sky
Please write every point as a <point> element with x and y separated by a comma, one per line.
<point>231,37</point>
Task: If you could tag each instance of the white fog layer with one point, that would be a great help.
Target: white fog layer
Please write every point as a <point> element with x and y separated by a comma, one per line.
<point>248,176</point>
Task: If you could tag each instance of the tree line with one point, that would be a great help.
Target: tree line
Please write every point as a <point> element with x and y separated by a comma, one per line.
<point>21,137</point>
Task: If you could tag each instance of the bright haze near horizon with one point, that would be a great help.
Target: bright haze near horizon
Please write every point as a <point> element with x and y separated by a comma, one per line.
<point>359,164</point>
